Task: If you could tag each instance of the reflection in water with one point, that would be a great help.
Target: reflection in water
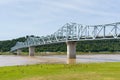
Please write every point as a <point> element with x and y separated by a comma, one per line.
<point>71,61</point>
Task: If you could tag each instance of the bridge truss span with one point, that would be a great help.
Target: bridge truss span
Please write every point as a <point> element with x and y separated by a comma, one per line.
<point>73,32</point>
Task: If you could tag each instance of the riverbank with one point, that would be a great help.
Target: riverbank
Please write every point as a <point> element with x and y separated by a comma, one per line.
<point>91,71</point>
<point>64,53</point>
<point>58,53</point>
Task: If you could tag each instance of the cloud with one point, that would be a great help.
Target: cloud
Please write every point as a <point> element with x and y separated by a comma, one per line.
<point>36,16</point>
<point>5,1</point>
<point>93,7</point>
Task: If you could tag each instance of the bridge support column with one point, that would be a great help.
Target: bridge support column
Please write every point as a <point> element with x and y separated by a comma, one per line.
<point>19,52</point>
<point>31,51</point>
<point>71,52</point>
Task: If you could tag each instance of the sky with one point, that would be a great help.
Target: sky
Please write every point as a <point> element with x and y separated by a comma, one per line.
<point>19,18</point>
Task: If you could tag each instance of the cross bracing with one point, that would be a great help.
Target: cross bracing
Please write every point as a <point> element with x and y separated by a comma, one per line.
<point>73,32</point>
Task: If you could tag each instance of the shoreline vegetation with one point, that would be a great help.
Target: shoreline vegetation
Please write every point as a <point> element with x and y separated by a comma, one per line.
<point>82,46</point>
<point>86,71</point>
<point>58,53</point>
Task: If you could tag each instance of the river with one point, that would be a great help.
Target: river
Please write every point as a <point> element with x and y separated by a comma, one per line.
<point>11,60</point>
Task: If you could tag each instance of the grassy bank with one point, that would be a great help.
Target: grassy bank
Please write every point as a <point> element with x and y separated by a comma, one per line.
<point>93,71</point>
<point>64,53</point>
<point>57,53</point>
<point>6,53</point>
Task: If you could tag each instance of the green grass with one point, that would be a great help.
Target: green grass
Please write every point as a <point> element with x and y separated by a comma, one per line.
<point>92,71</point>
<point>6,53</point>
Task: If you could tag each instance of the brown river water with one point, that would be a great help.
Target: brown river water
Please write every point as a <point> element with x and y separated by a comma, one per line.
<point>11,60</point>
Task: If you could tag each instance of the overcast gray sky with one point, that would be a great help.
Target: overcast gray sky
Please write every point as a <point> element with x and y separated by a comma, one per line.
<point>19,18</point>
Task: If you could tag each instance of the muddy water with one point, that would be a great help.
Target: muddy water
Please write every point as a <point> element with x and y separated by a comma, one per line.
<point>15,60</point>
<point>11,60</point>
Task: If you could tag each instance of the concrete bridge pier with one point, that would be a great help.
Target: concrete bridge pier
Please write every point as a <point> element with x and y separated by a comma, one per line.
<point>19,52</point>
<point>71,52</point>
<point>31,51</point>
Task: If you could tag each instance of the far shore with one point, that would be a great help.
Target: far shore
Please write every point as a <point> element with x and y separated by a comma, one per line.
<point>58,53</point>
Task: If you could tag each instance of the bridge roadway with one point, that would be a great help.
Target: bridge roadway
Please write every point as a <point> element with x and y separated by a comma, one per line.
<point>70,33</point>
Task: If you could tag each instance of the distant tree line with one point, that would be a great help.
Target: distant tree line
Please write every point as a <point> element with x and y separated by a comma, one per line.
<point>6,45</point>
<point>82,46</point>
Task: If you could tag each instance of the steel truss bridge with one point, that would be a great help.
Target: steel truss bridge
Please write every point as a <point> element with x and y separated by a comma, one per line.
<point>73,32</point>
